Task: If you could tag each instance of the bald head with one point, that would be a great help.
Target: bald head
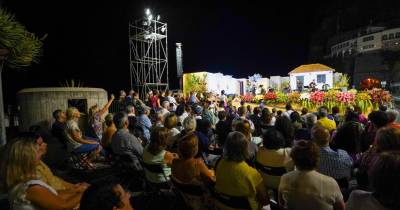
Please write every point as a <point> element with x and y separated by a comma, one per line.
<point>320,136</point>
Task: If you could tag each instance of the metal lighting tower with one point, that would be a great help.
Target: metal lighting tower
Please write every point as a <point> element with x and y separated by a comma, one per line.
<point>148,49</point>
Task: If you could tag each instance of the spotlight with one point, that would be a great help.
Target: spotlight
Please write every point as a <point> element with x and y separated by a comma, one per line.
<point>158,17</point>
<point>150,17</point>
<point>163,29</point>
<point>147,12</point>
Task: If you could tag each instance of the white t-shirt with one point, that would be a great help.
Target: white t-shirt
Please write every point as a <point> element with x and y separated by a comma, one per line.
<point>70,126</point>
<point>17,195</point>
<point>309,190</point>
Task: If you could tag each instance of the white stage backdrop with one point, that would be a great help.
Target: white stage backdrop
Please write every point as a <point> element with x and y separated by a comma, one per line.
<point>217,82</point>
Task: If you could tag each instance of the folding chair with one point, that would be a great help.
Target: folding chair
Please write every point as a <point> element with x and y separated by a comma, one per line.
<point>235,202</point>
<point>192,194</point>
<point>271,171</point>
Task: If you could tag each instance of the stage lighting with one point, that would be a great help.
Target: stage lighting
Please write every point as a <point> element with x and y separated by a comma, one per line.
<point>150,17</point>
<point>147,12</point>
<point>163,29</point>
<point>158,17</point>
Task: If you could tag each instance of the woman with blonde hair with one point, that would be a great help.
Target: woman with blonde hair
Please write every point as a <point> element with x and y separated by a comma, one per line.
<point>96,117</point>
<point>171,123</point>
<point>26,191</point>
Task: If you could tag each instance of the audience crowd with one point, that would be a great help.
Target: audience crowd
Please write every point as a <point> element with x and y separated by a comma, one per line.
<point>281,158</point>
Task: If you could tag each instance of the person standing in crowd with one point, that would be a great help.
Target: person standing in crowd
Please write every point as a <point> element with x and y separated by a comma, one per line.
<point>164,109</point>
<point>96,117</point>
<point>144,122</point>
<point>171,100</point>
<point>155,100</point>
<point>377,119</point>
<point>305,188</point>
<point>192,98</point>
<point>222,129</point>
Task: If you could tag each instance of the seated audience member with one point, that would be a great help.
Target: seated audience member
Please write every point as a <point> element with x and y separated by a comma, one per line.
<point>285,126</point>
<point>267,120</point>
<point>273,154</point>
<point>385,182</point>
<point>186,112</point>
<point>305,188</point>
<point>361,118</point>
<point>244,127</point>
<point>25,188</point>
<point>297,121</point>
<point>96,117</point>
<point>235,177</point>
<point>348,136</point>
<point>324,121</point>
<point>58,127</point>
<point>192,171</point>
<point>76,142</point>
<point>242,112</point>
<point>155,153</point>
<point>130,110</point>
<point>222,128</point>
<point>386,139</point>
<point>171,122</point>
<point>289,110</point>
<point>109,132</point>
<point>377,119</point>
<point>144,122</point>
<point>336,164</point>
<point>256,119</point>
<point>106,195</point>
<point>164,109</point>
<point>304,112</point>
<point>305,133</point>
<point>392,118</point>
<point>336,116</point>
<point>189,125</point>
<point>125,143</point>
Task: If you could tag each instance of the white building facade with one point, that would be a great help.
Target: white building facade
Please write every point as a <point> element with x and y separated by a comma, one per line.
<point>318,73</point>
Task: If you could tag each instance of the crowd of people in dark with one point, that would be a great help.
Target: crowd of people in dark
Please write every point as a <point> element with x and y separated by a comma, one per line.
<point>272,158</point>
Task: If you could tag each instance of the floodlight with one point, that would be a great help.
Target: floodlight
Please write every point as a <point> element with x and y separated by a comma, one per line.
<point>158,17</point>
<point>148,12</point>
<point>163,29</point>
<point>150,17</point>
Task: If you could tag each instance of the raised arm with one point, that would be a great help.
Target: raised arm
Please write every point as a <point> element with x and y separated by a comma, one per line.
<point>107,106</point>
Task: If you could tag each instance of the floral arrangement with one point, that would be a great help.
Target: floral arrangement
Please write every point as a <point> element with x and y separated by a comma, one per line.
<point>346,97</point>
<point>294,97</point>
<point>363,100</point>
<point>270,96</point>
<point>317,97</point>
<point>258,98</point>
<point>281,97</point>
<point>379,95</point>
<point>247,97</point>
<point>331,95</point>
<point>305,96</point>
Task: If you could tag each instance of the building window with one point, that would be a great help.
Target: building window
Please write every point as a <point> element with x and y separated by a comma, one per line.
<point>300,78</point>
<point>368,46</point>
<point>321,78</point>
<point>391,36</point>
<point>368,38</point>
<point>397,34</point>
<point>384,37</point>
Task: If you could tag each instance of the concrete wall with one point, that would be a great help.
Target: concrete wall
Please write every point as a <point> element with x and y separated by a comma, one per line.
<point>38,104</point>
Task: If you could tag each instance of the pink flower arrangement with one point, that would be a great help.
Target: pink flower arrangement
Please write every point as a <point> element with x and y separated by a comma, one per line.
<point>345,97</point>
<point>317,97</point>
<point>270,96</point>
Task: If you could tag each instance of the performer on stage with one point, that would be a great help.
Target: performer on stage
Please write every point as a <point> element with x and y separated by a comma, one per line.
<point>299,86</point>
<point>312,86</point>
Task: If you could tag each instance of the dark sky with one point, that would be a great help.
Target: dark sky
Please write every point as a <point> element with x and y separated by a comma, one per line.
<point>88,40</point>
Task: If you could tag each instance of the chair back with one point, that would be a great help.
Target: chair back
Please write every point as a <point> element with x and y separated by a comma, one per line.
<point>272,171</point>
<point>235,202</point>
<point>190,189</point>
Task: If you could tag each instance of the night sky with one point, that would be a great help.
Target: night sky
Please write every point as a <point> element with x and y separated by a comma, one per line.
<point>88,40</point>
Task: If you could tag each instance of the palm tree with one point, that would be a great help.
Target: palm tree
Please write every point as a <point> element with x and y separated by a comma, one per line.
<point>18,49</point>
